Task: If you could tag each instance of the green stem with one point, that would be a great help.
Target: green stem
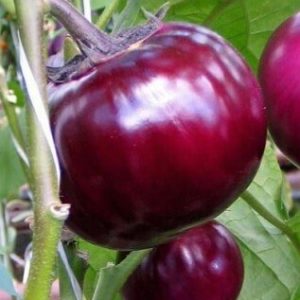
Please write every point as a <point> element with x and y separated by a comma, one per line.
<point>107,14</point>
<point>261,210</point>
<point>47,224</point>
<point>85,33</point>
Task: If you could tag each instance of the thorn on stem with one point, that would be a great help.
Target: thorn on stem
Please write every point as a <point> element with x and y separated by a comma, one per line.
<point>30,221</point>
<point>60,211</point>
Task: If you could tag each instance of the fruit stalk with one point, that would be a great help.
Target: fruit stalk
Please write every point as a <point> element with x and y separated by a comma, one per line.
<point>261,210</point>
<point>89,38</point>
<point>47,224</point>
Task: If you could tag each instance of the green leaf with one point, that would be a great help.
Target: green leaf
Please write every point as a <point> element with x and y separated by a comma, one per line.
<point>263,17</point>
<point>247,24</point>
<point>296,295</point>
<point>229,18</point>
<point>98,257</point>
<point>6,283</point>
<point>269,186</point>
<point>8,5</point>
<point>112,278</point>
<point>11,174</point>
<point>294,223</point>
<point>260,281</point>
<point>71,271</point>
<point>97,4</point>
<point>89,282</point>
<point>272,264</point>
<point>15,87</point>
<point>132,14</point>
<point>128,17</point>
<point>269,248</point>
<point>105,283</point>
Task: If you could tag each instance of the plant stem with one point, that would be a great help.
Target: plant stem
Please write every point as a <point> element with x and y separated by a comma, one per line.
<point>88,36</point>
<point>261,210</point>
<point>46,227</point>
<point>107,14</point>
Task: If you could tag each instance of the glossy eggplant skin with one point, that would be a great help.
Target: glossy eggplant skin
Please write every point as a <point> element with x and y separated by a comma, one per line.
<point>203,263</point>
<point>158,138</point>
<point>280,80</point>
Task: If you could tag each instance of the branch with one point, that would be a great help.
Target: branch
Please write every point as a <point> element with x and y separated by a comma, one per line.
<point>261,210</point>
<point>48,211</point>
<point>88,37</point>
